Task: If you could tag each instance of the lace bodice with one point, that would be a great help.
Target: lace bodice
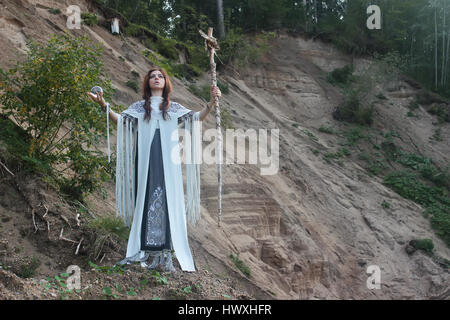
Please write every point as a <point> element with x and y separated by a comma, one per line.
<point>174,107</point>
<point>139,107</point>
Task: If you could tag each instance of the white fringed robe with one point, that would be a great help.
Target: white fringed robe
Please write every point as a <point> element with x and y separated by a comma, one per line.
<point>131,124</point>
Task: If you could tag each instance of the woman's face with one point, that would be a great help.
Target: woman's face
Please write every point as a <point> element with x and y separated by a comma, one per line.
<point>157,80</point>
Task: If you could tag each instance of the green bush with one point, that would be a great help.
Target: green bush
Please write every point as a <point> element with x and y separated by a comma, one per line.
<point>202,92</point>
<point>240,265</point>
<point>110,226</point>
<point>442,111</point>
<point>54,11</point>
<point>187,71</point>
<point>28,269</point>
<point>426,245</point>
<point>341,76</point>
<point>90,19</point>
<point>352,110</point>
<point>238,48</point>
<point>46,93</point>
<point>436,200</point>
<point>133,85</point>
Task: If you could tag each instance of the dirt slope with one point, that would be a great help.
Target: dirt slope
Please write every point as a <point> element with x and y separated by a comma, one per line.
<point>308,232</point>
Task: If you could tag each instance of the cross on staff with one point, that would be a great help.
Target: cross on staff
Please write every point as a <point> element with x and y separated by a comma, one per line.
<point>212,46</point>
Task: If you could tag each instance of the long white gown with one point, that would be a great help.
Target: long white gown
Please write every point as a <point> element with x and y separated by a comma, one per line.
<point>134,131</point>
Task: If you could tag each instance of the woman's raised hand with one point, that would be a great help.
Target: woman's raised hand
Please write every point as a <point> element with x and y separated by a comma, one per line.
<point>97,98</point>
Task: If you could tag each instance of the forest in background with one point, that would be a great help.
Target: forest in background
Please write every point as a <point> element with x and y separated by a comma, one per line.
<point>416,31</point>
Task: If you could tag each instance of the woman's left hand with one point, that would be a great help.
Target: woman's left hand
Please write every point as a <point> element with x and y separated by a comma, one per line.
<point>215,92</point>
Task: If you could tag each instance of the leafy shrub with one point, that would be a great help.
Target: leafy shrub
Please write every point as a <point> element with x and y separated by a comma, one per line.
<point>352,110</point>
<point>436,200</point>
<point>54,11</point>
<point>111,226</point>
<point>28,269</point>
<point>240,265</point>
<point>426,245</point>
<point>236,47</point>
<point>133,85</point>
<point>328,130</point>
<point>90,19</point>
<point>341,76</point>
<point>46,93</point>
<point>202,92</point>
<point>135,74</point>
<point>442,111</point>
<point>187,71</point>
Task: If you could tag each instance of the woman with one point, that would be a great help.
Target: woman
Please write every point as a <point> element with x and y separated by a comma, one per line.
<point>157,207</point>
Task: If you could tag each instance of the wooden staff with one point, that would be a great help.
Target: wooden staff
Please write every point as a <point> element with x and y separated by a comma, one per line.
<point>212,46</point>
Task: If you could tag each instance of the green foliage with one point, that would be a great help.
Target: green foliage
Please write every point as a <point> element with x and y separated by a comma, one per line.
<point>242,49</point>
<point>28,269</point>
<point>425,245</point>
<point>442,111</point>
<point>135,74</point>
<point>240,265</point>
<point>385,204</point>
<point>328,130</point>
<point>381,96</point>
<point>341,76</point>
<point>108,293</point>
<point>355,134</point>
<point>223,87</point>
<point>54,11</point>
<point>436,200</point>
<point>133,85</point>
<point>225,118</point>
<point>336,155</point>
<point>162,62</point>
<point>159,279</point>
<point>187,71</point>
<point>353,111</point>
<point>110,226</point>
<point>310,134</point>
<point>202,92</point>
<point>107,269</point>
<point>90,19</point>
<point>45,94</point>
<point>58,283</point>
<point>425,167</point>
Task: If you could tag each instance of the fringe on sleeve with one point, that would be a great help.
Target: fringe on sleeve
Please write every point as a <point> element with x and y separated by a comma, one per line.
<point>193,150</point>
<point>125,167</point>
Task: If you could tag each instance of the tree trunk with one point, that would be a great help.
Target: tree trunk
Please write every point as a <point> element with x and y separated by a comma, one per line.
<point>220,19</point>
<point>446,58</point>
<point>443,48</point>
<point>435,49</point>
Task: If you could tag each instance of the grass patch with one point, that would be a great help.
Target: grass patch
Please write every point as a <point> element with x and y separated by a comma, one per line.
<point>133,85</point>
<point>240,265</point>
<point>54,11</point>
<point>90,19</point>
<point>425,245</point>
<point>341,76</point>
<point>336,155</point>
<point>110,226</point>
<point>353,111</point>
<point>28,270</point>
<point>354,135</point>
<point>435,200</point>
<point>328,130</point>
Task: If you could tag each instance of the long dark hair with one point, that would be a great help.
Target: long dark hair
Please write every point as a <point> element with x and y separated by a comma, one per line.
<point>147,93</point>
